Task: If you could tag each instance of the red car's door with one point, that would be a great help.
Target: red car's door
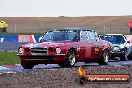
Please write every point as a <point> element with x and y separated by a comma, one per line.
<point>95,45</point>
<point>81,49</point>
<point>82,46</point>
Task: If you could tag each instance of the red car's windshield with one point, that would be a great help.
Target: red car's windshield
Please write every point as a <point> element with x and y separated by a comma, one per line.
<point>61,35</point>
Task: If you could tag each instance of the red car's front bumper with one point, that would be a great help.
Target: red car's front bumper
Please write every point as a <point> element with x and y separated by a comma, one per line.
<point>44,59</point>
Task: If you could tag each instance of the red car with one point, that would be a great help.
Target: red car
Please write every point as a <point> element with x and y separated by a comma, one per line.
<point>65,47</point>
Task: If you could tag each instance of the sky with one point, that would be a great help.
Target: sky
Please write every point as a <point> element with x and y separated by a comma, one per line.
<point>70,8</point>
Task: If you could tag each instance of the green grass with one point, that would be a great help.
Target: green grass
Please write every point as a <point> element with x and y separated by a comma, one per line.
<point>9,58</point>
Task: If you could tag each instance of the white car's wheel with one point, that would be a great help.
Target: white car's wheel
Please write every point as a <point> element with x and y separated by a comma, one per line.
<point>124,57</point>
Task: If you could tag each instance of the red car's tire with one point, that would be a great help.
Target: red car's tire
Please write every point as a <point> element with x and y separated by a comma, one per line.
<point>70,59</point>
<point>27,65</point>
<point>105,58</point>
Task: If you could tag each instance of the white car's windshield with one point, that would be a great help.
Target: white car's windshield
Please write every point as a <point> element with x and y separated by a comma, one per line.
<point>114,39</point>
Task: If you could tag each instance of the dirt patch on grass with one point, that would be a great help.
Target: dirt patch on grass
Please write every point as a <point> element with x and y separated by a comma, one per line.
<point>111,24</point>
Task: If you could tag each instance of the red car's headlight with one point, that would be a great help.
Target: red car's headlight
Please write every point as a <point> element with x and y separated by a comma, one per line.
<point>20,50</point>
<point>58,50</point>
<point>51,49</point>
<point>27,49</point>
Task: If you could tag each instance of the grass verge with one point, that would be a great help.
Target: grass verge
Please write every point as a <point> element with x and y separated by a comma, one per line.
<point>9,58</point>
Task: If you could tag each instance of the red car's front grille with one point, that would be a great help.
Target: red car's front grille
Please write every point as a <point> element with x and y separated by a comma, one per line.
<point>39,50</point>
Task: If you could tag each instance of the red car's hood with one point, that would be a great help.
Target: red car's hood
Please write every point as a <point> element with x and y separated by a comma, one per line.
<point>48,44</point>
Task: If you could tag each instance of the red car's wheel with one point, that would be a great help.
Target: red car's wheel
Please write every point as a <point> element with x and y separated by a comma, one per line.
<point>105,58</point>
<point>27,65</point>
<point>70,59</point>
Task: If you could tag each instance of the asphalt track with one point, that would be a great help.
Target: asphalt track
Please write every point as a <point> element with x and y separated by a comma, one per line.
<point>10,46</point>
<point>6,46</point>
<point>17,67</point>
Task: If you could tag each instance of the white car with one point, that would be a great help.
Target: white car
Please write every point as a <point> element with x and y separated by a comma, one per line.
<point>120,46</point>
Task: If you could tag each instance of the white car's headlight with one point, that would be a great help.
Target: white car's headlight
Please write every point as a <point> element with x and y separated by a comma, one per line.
<point>21,50</point>
<point>58,50</point>
<point>110,43</point>
<point>116,48</point>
